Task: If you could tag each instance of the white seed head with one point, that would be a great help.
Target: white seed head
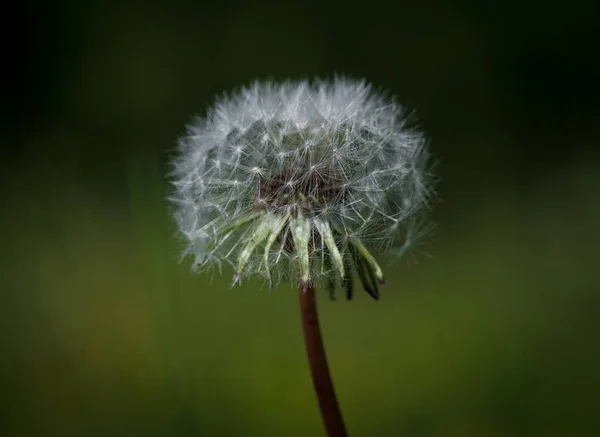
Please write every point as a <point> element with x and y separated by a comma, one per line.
<point>296,179</point>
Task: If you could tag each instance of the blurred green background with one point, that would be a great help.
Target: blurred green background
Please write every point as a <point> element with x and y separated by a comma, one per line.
<point>496,333</point>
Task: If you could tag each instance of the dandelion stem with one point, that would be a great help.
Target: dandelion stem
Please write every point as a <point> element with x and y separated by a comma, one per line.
<point>315,351</point>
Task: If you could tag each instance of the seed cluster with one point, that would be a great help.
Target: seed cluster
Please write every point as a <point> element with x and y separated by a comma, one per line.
<point>295,180</point>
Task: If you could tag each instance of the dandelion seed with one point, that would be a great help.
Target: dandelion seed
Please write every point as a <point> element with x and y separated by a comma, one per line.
<point>337,154</point>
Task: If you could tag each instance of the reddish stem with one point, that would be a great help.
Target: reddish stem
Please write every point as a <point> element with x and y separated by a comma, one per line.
<point>330,411</point>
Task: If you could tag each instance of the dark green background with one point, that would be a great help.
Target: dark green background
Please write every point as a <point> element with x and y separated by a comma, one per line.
<point>103,333</point>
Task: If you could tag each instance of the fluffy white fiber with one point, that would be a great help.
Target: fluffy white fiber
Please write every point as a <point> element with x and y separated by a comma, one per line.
<point>297,179</point>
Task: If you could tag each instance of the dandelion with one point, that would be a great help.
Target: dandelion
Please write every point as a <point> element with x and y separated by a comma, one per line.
<point>296,181</point>
<point>299,181</point>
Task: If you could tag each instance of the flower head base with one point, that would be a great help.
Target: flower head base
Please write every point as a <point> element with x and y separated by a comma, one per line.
<point>295,180</point>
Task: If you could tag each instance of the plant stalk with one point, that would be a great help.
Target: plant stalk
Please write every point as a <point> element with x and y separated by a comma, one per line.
<point>330,410</point>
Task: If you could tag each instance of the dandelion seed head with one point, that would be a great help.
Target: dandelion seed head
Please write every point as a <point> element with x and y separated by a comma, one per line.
<point>296,179</point>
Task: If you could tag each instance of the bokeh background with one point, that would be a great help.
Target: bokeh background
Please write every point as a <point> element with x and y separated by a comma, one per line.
<point>493,327</point>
